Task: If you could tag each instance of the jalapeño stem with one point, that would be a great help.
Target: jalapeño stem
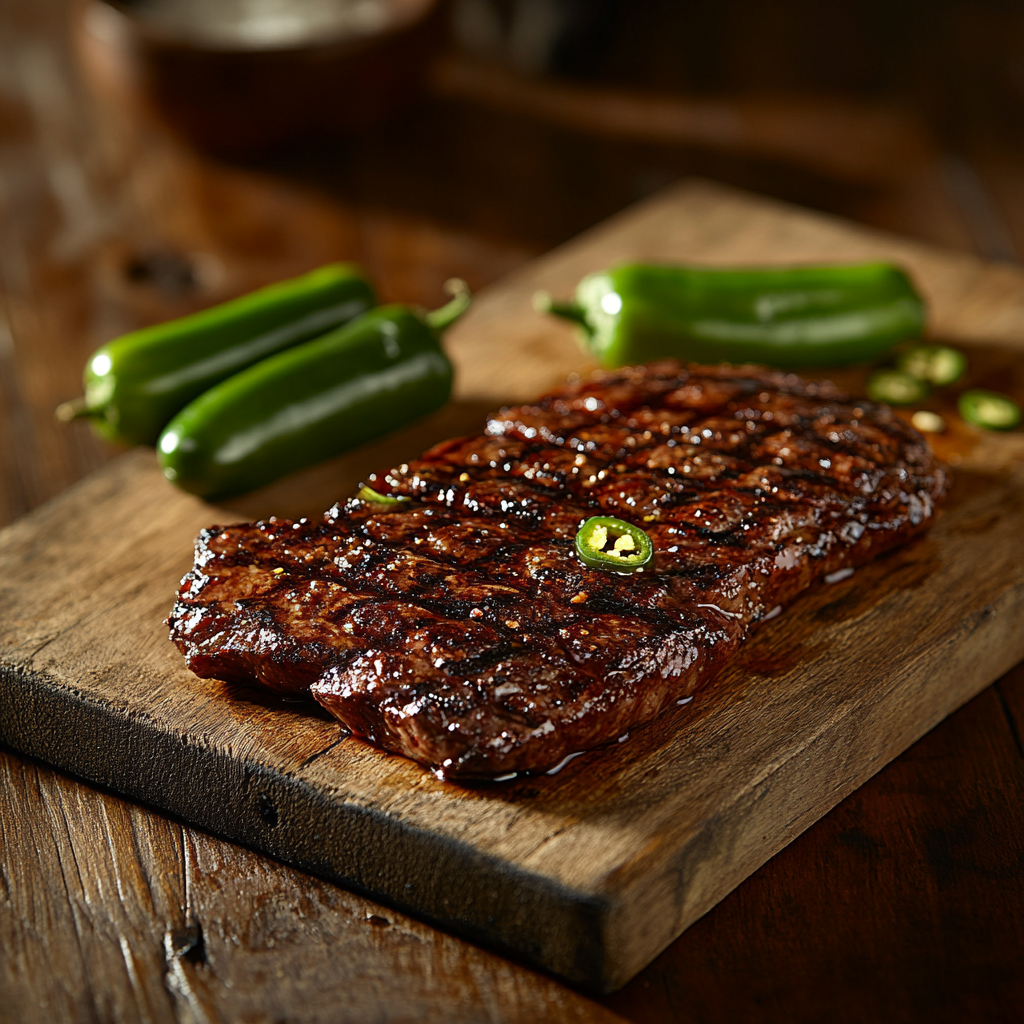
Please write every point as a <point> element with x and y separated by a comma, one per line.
<point>439,320</point>
<point>367,493</point>
<point>544,303</point>
<point>75,409</point>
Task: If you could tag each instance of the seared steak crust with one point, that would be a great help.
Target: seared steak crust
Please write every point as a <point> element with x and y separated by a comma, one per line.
<point>461,630</point>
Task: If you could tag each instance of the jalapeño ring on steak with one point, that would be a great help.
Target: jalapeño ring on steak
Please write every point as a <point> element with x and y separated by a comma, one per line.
<point>461,629</point>
<point>604,542</point>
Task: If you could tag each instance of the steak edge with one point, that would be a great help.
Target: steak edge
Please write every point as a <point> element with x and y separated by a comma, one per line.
<point>460,629</point>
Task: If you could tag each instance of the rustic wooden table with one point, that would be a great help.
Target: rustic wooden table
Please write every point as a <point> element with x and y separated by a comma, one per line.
<point>111,912</point>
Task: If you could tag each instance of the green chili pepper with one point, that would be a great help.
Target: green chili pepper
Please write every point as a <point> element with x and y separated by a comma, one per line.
<point>136,383</point>
<point>989,409</point>
<point>367,493</point>
<point>798,316</point>
<point>607,543</point>
<point>896,388</point>
<point>939,365</point>
<point>312,402</point>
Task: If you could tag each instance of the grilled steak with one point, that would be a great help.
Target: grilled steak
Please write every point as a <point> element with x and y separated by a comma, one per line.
<point>460,628</point>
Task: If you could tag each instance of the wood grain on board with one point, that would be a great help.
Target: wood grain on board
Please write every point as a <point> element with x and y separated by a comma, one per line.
<point>900,905</point>
<point>590,872</point>
<point>218,933</point>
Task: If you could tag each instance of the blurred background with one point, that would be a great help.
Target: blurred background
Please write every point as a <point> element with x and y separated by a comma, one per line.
<point>160,155</point>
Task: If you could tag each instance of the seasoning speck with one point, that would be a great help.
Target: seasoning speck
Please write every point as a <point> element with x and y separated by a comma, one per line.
<point>928,422</point>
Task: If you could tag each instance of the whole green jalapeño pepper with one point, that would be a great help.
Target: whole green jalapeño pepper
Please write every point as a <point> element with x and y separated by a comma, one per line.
<point>787,317</point>
<point>604,542</point>
<point>136,383</point>
<point>312,402</point>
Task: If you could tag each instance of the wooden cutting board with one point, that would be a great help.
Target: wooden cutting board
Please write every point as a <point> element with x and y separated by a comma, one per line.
<point>592,871</point>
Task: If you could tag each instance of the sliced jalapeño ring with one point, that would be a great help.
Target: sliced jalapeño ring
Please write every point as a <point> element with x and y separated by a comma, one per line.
<point>939,365</point>
<point>989,409</point>
<point>897,387</point>
<point>604,542</point>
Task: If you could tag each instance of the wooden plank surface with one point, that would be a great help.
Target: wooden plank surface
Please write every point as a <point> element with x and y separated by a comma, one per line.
<point>173,956</point>
<point>900,905</point>
<point>591,872</point>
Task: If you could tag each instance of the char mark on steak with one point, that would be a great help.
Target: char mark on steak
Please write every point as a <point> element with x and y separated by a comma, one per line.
<point>461,630</point>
